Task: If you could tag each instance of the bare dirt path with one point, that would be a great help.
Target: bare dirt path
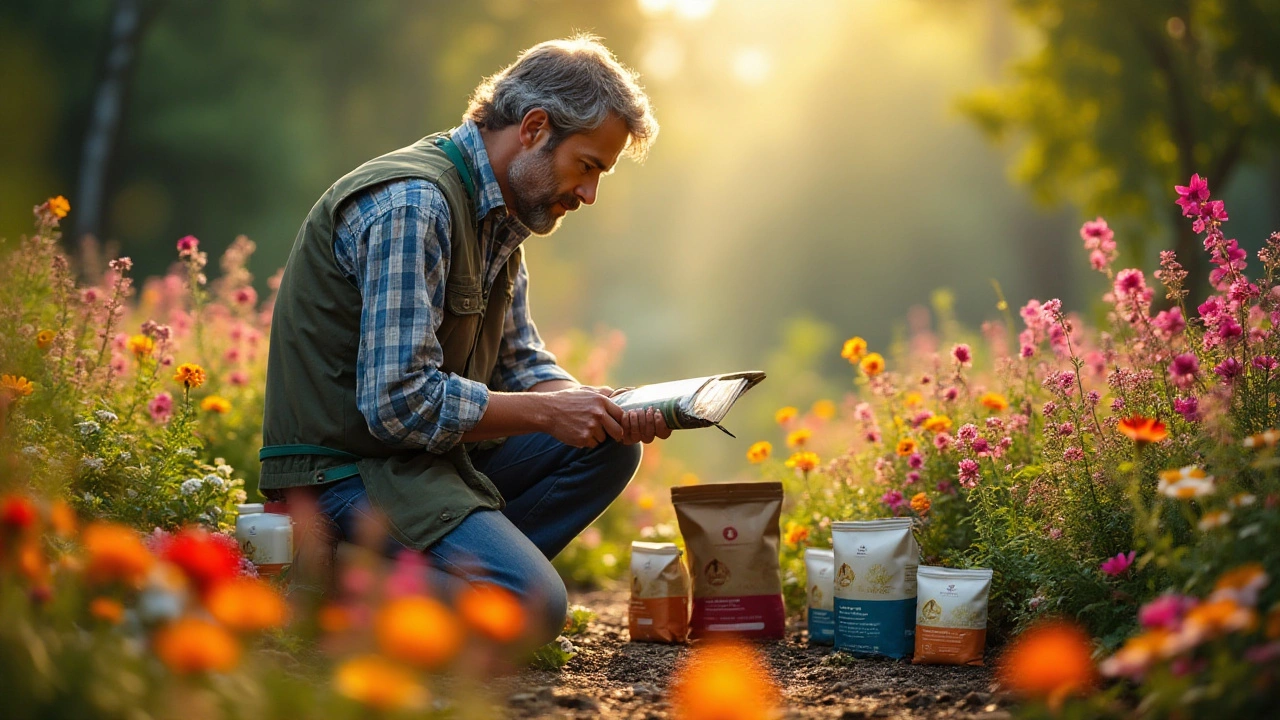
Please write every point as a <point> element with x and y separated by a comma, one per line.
<point>613,678</point>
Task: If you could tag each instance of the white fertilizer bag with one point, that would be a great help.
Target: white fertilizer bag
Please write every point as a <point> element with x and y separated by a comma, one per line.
<point>875,586</point>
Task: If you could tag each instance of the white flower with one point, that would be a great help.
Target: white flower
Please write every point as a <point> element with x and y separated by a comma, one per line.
<point>126,456</point>
<point>1185,483</point>
<point>239,496</point>
<point>609,560</point>
<point>88,427</point>
<point>191,486</point>
<point>1242,500</point>
<point>33,451</point>
<point>648,532</point>
<point>92,463</point>
<point>223,469</point>
<point>215,480</point>
<point>1214,519</point>
<point>187,452</point>
<point>1266,438</point>
<point>106,416</point>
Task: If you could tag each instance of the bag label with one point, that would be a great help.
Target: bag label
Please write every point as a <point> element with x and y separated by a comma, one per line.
<point>875,627</point>
<point>752,616</point>
<point>822,626</point>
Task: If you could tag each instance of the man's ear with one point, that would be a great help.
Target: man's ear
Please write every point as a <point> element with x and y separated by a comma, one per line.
<point>534,127</point>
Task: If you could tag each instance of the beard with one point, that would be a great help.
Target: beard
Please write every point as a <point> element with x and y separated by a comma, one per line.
<point>532,179</point>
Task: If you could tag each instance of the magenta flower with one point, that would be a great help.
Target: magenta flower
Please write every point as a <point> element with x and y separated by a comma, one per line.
<point>942,441</point>
<point>1130,281</point>
<point>1118,564</point>
<point>893,499</point>
<point>1188,408</point>
<point>1170,322</point>
<point>1191,195</point>
<point>962,354</point>
<point>1265,362</point>
<point>1165,611</point>
<point>187,246</point>
<point>1183,370</point>
<point>968,472</point>
<point>915,461</point>
<point>968,432</point>
<point>161,407</point>
<point>1073,454</point>
<point>1229,369</point>
<point>980,445</point>
<point>913,477</point>
<point>1066,429</point>
<point>1096,234</point>
<point>945,487</point>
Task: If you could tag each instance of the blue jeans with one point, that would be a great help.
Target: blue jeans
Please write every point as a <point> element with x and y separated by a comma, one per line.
<point>553,492</point>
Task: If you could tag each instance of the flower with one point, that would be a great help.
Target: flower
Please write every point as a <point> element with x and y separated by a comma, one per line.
<point>1241,584</point>
<point>191,645</point>
<point>206,558</point>
<point>15,386</point>
<point>796,534</point>
<point>44,339</point>
<point>107,609</point>
<point>785,415</point>
<point>1050,660</point>
<point>379,683</point>
<point>823,409</point>
<point>188,246</point>
<point>492,611</point>
<point>804,460</point>
<point>968,472</point>
<point>141,346</point>
<point>759,452</point>
<point>161,407</point>
<point>190,375</point>
<point>1185,483</point>
<point>58,206</point>
<point>17,513</point>
<point>1214,519</point>
<point>936,423</point>
<point>962,354</point>
<point>993,401</point>
<point>906,446</point>
<point>62,519</point>
<point>1190,196</point>
<point>921,503</point>
<point>797,438</point>
<point>1138,654</point>
<point>1266,438</point>
<point>1218,616</point>
<point>893,499</point>
<point>724,681</point>
<point>1165,611</point>
<point>115,552</point>
<point>1183,370</point>
<point>854,349</point>
<point>247,605</point>
<point>872,365</point>
<point>1119,564</point>
<point>1142,430</point>
<point>1240,500</point>
<point>418,630</point>
<point>215,404</point>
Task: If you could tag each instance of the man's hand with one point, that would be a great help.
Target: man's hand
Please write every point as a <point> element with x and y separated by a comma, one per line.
<point>643,426</point>
<point>584,417</point>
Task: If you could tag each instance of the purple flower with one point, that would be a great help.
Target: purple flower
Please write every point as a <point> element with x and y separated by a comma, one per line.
<point>913,477</point>
<point>968,472</point>
<point>893,499</point>
<point>1188,408</point>
<point>980,445</point>
<point>915,460</point>
<point>1265,362</point>
<point>1229,369</point>
<point>1118,564</point>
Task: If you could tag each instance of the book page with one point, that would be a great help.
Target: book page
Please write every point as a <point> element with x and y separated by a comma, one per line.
<point>657,394</point>
<point>713,401</point>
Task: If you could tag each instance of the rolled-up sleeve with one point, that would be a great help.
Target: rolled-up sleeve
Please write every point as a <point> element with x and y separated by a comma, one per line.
<point>396,247</point>
<point>523,360</point>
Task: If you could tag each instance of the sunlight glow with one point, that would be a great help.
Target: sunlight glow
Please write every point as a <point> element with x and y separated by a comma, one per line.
<point>752,66</point>
<point>694,9</point>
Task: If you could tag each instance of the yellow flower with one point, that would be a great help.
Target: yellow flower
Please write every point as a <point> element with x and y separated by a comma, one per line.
<point>797,438</point>
<point>215,404</point>
<point>921,503</point>
<point>645,501</point>
<point>419,631</point>
<point>804,460</point>
<point>912,399</point>
<point>191,645</point>
<point>493,612</point>
<point>44,339</point>
<point>785,415</point>
<point>379,683</point>
<point>724,681</point>
<point>937,423</point>
<point>872,365</point>
<point>15,386</point>
<point>107,610</point>
<point>190,375</point>
<point>994,401</point>
<point>58,206</point>
<point>796,534</point>
<point>141,346</point>
<point>689,479</point>
<point>853,350</point>
<point>759,452</point>
<point>906,446</point>
<point>1185,483</point>
<point>824,409</point>
<point>247,605</point>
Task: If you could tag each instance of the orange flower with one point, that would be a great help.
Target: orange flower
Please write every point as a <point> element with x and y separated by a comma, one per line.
<point>724,681</point>
<point>994,401</point>
<point>937,423</point>
<point>872,365</point>
<point>141,346</point>
<point>785,415</point>
<point>492,611</point>
<point>854,349</point>
<point>921,503</point>
<point>334,619</point>
<point>190,375</point>
<point>107,610</point>
<point>1050,660</point>
<point>190,645</point>
<point>15,386</point>
<point>1143,430</point>
<point>796,534</point>
<point>1273,623</point>
<point>1220,616</point>
<point>247,605</point>
<point>797,438</point>
<point>804,460</point>
<point>44,339</point>
<point>207,559</point>
<point>216,404</point>
<point>115,553</point>
<point>688,479</point>
<point>759,452</point>
<point>62,518</point>
<point>17,513</point>
<point>58,206</point>
<point>379,683</point>
<point>823,409</point>
<point>419,631</point>
<point>906,446</point>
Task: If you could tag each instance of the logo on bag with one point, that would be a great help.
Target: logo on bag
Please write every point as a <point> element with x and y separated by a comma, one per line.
<point>931,612</point>
<point>844,578</point>
<point>730,533</point>
<point>716,572</point>
<point>862,550</point>
<point>815,595</point>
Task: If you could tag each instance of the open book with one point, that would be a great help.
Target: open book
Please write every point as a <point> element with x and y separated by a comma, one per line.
<point>693,403</point>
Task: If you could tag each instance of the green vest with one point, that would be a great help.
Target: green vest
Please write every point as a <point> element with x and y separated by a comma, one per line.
<point>312,429</point>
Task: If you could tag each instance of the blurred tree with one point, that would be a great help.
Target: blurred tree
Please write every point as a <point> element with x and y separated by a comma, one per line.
<point>1125,98</point>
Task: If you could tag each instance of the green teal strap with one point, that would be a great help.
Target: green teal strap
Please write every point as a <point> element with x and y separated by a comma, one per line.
<point>455,156</point>
<point>341,472</point>
<point>273,451</point>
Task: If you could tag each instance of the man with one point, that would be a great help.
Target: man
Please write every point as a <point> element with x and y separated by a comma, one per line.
<point>402,351</point>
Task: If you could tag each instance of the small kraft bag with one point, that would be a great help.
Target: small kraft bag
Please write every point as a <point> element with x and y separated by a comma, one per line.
<point>951,616</point>
<point>731,534</point>
<point>875,586</point>
<point>819,568</point>
<point>659,610</point>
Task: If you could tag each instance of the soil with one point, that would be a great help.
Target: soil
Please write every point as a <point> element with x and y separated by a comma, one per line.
<point>614,678</point>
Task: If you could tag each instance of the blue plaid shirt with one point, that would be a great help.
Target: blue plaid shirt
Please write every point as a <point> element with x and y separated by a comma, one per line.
<point>392,241</point>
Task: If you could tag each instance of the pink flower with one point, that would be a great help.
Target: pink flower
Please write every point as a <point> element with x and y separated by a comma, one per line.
<point>245,297</point>
<point>915,461</point>
<point>1265,362</point>
<point>1118,564</point>
<point>187,246</point>
<point>239,378</point>
<point>1055,533</point>
<point>1165,611</point>
<point>980,445</point>
<point>1183,370</point>
<point>1050,408</point>
<point>1130,282</point>
<point>968,472</point>
<point>1066,429</point>
<point>950,394</point>
<point>89,296</point>
<point>893,499</point>
<point>1191,195</point>
<point>968,432</point>
<point>945,487</point>
<point>962,354</point>
<point>1229,369</point>
<point>872,436</point>
<point>942,441</point>
<point>913,477</point>
<point>1096,234</point>
<point>1188,408</point>
<point>1051,311</point>
<point>161,407</point>
<point>1073,454</point>
<point>1170,322</point>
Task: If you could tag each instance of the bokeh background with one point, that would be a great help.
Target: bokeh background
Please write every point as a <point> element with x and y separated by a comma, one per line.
<point>823,167</point>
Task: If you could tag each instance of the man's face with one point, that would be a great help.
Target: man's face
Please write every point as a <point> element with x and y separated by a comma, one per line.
<point>547,184</point>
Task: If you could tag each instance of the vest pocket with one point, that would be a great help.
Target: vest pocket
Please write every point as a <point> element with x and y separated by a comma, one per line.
<point>464,299</point>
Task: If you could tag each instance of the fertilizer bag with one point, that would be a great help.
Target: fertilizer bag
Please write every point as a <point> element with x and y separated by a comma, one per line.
<point>659,610</point>
<point>819,568</point>
<point>731,534</point>
<point>875,586</point>
<point>951,616</point>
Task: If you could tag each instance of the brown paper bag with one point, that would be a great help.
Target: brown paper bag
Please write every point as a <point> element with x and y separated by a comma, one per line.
<point>659,610</point>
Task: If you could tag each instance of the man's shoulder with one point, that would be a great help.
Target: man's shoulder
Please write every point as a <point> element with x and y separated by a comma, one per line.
<point>376,201</point>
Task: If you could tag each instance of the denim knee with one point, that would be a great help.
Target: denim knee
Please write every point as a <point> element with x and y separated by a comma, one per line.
<point>547,601</point>
<point>618,462</point>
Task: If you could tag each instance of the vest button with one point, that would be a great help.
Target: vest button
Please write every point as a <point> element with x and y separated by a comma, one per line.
<point>446,515</point>
<point>319,476</point>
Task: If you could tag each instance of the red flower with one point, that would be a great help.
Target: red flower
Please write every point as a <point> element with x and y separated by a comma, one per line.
<point>17,512</point>
<point>206,558</point>
<point>1143,430</point>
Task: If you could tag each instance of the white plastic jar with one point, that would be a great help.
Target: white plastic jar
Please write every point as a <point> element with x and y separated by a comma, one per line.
<point>265,538</point>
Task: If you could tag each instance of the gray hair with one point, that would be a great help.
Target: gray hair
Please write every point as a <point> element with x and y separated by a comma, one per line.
<point>578,82</point>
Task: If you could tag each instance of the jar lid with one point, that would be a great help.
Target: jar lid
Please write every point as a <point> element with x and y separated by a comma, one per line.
<point>249,508</point>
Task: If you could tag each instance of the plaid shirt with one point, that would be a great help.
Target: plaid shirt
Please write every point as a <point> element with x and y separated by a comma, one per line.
<point>392,241</point>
